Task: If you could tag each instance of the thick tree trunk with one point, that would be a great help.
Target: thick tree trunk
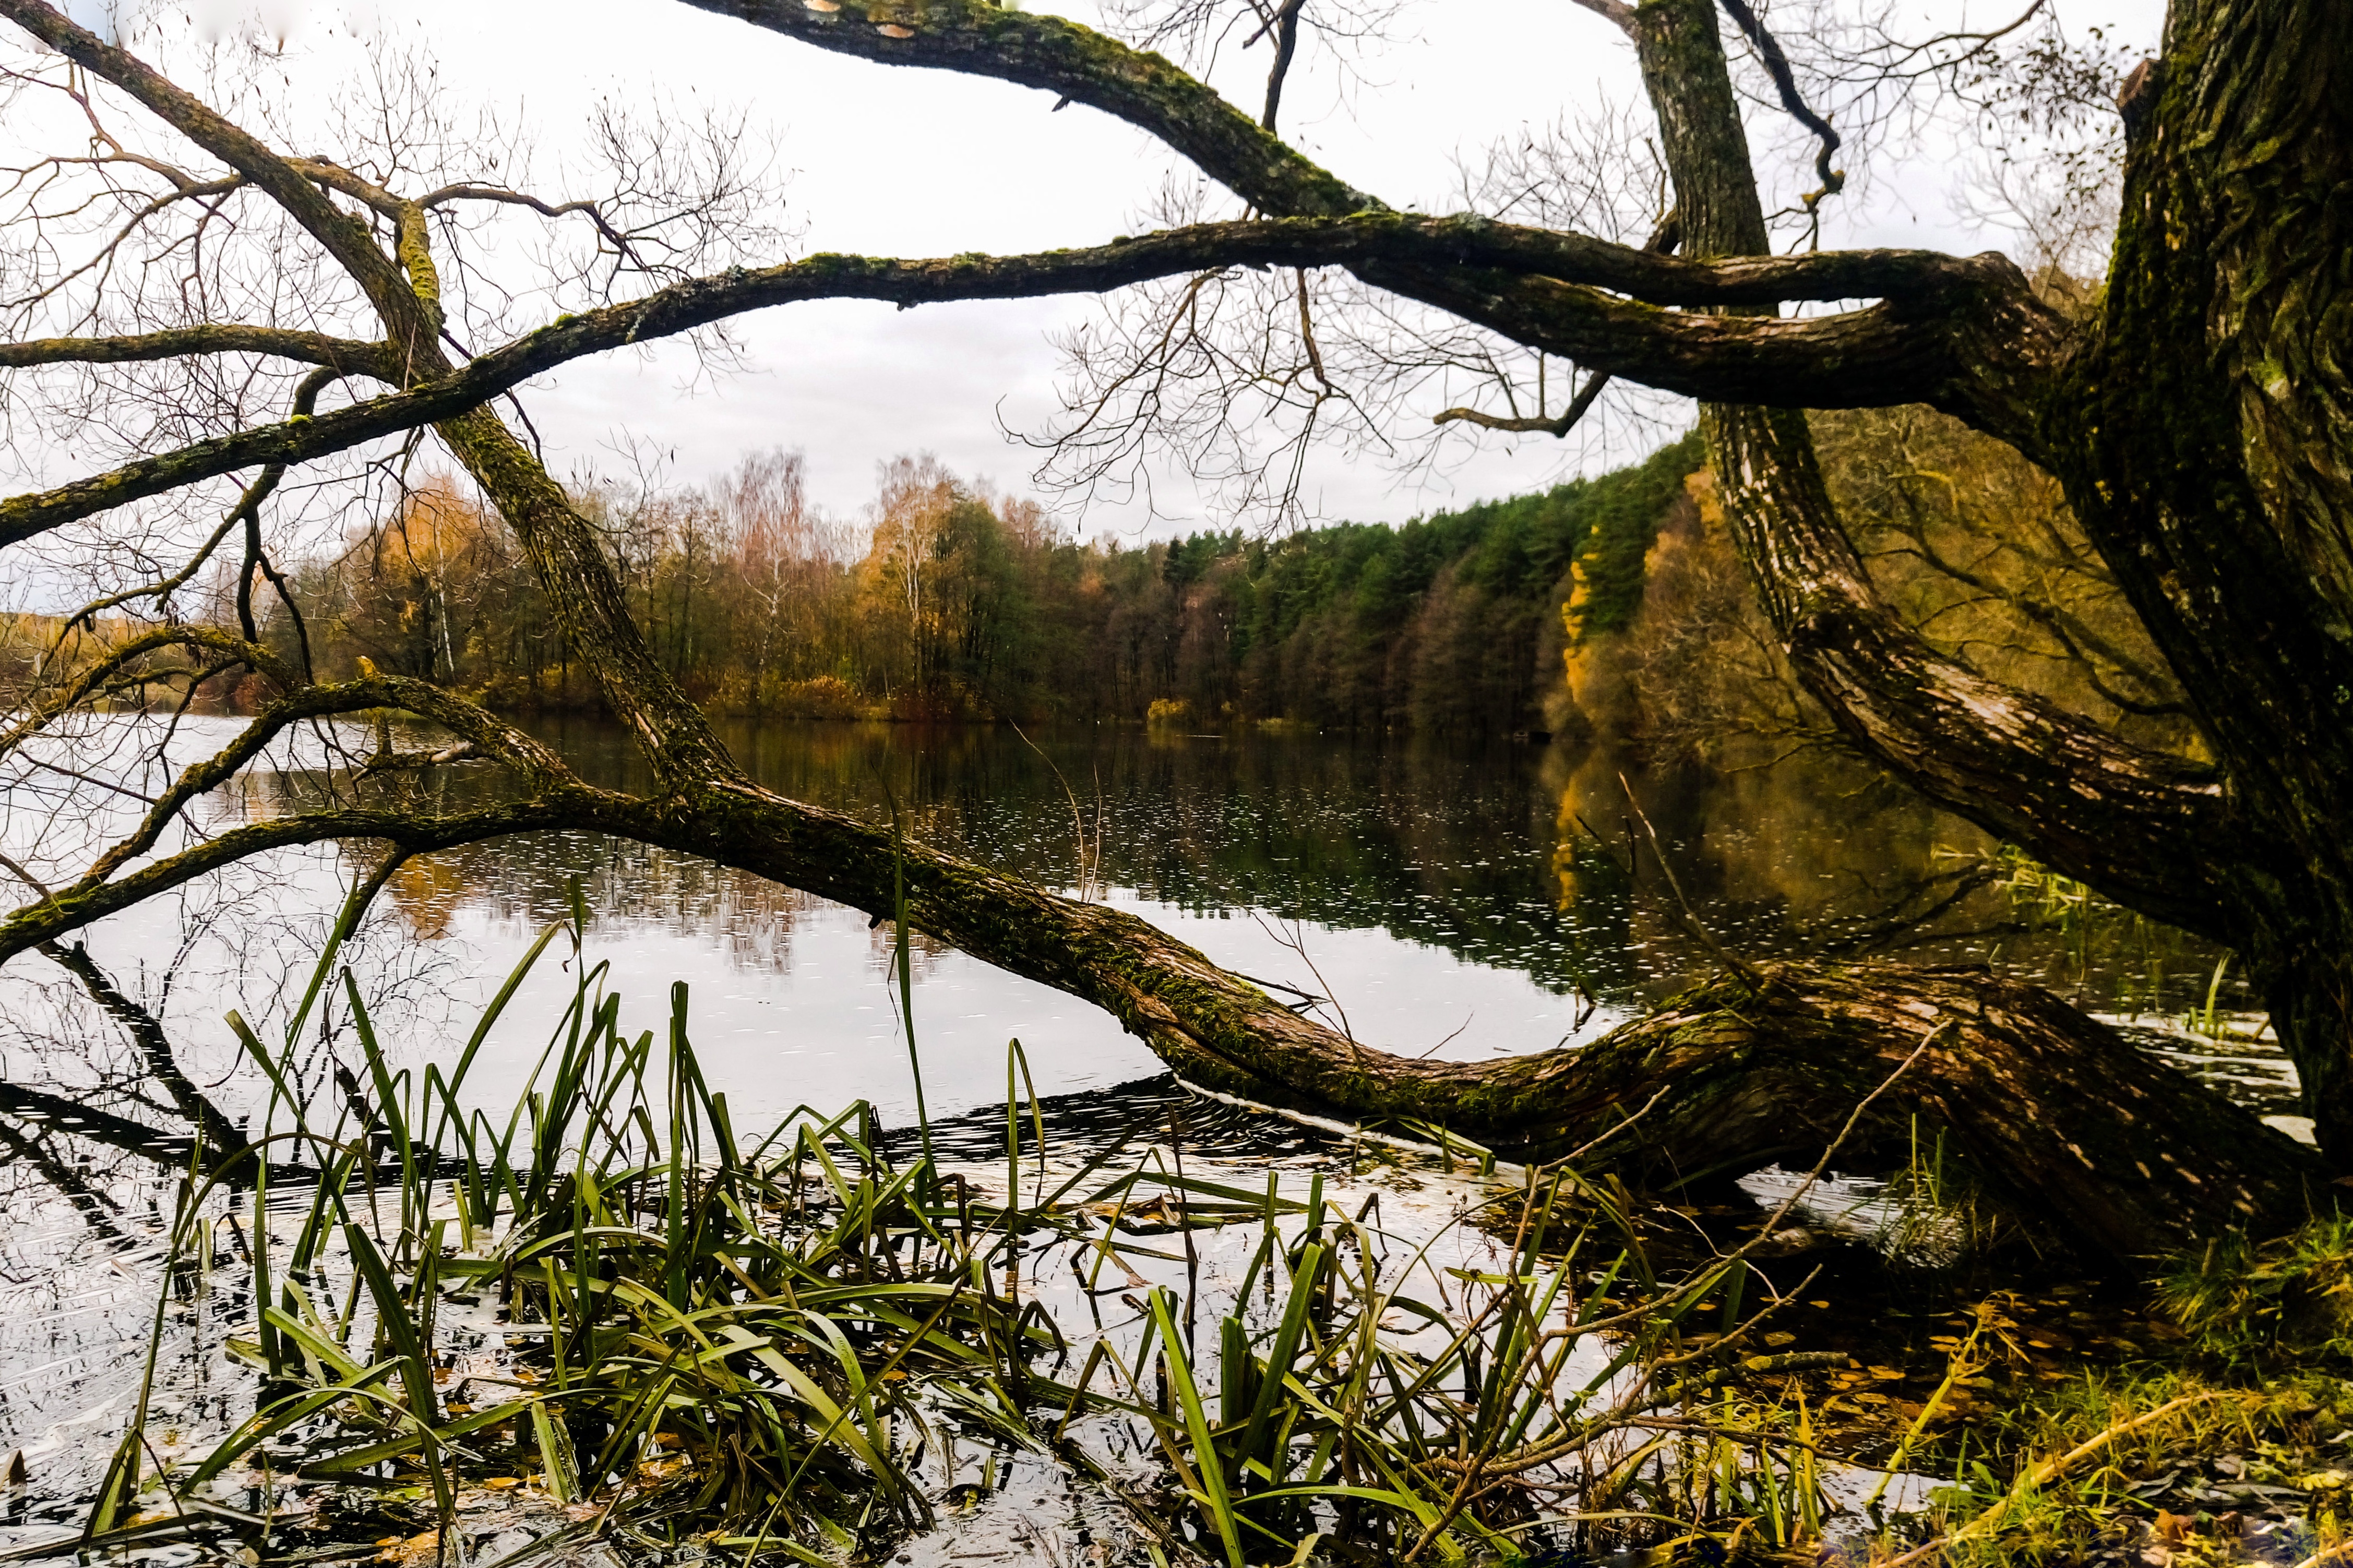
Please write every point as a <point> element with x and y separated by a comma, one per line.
<point>2049,1109</point>
<point>2206,440</point>
<point>2201,431</point>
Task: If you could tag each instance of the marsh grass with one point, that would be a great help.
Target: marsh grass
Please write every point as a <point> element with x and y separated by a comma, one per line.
<point>661,1290</point>
<point>2124,1464</point>
<point>2224,1439</point>
<point>611,1302</point>
<point>2242,1299</point>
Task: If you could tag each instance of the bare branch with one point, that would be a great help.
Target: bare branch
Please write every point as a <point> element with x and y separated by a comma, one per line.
<point>343,354</point>
<point>1616,12</point>
<point>1879,354</point>
<point>341,236</point>
<point>1776,66</point>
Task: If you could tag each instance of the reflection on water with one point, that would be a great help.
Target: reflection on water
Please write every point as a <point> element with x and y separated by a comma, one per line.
<point>1458,901</point>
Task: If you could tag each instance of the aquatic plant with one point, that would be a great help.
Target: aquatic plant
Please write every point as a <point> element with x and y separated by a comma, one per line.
<point>609,1296</point>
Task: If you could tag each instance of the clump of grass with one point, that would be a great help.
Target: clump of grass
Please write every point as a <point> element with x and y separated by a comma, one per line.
<point>2247,1397</point>
<point>1564,1396</point>
<point>611,1295</point>
<point>2104,1460</point>
<point>752,1335</point>
<point>2240,1299</point>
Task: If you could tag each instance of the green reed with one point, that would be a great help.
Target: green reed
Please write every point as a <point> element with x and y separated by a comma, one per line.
<point>776,1342</point>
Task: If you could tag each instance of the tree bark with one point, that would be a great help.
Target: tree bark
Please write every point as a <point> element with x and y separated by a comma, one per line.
<point>2206,442</point>
<point>2052,1112</point>
<point>2202,429</point>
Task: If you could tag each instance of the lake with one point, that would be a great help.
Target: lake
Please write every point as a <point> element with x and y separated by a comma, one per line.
<point>1459,899</point>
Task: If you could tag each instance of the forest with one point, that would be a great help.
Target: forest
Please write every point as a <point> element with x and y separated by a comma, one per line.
<point>947,601</point>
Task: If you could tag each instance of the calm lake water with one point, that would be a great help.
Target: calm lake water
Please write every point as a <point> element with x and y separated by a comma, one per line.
<point>1469,901</point>
<point>1462,900</point>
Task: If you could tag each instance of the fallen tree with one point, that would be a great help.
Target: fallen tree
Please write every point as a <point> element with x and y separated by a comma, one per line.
<point>2050,1110</point>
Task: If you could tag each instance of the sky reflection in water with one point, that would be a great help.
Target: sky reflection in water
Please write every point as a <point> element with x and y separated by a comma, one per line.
<point>1453,900</point>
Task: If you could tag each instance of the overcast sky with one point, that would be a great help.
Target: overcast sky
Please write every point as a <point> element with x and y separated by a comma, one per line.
<point>896,161</point>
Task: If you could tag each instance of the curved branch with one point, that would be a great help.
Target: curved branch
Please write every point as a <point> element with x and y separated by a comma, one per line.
<point>1928,343</point>
<point>492,735</point>
<point>93,678</point>
<point>1785,83</point>
<point>1749,1062</point>
<point>47,920</point>
<point>1617,13</point>
<point>2098,807</point>
<point>501,195</point>
<point>1074,63</point>
<point>1578,405</point>
<point>1990,373</point>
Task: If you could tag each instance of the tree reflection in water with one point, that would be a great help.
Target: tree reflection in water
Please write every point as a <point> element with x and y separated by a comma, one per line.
<point>1499,891</point>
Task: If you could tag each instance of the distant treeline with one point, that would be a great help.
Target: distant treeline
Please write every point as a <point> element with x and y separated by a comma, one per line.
<point>949,602</point>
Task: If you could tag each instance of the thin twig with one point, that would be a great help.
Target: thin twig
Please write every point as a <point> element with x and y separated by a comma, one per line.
<point>1723,954</point>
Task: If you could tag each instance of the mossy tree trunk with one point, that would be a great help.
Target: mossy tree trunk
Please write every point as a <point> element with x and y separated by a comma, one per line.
<point>2203,430</point>
<point>2205,436</point>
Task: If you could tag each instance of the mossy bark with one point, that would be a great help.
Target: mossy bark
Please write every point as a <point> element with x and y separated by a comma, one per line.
<point>2206,434</point>
<point>2203,429</point>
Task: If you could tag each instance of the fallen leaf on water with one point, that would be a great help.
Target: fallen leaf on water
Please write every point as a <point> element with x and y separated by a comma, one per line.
<point>416,1552</point>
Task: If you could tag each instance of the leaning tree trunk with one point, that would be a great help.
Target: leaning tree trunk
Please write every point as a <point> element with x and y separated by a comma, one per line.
<point>2202,426</point>
<point>2211,424</point>
<point>2047,1107</point>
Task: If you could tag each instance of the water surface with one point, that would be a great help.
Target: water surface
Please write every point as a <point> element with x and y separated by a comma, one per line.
<point>1456,900</point>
